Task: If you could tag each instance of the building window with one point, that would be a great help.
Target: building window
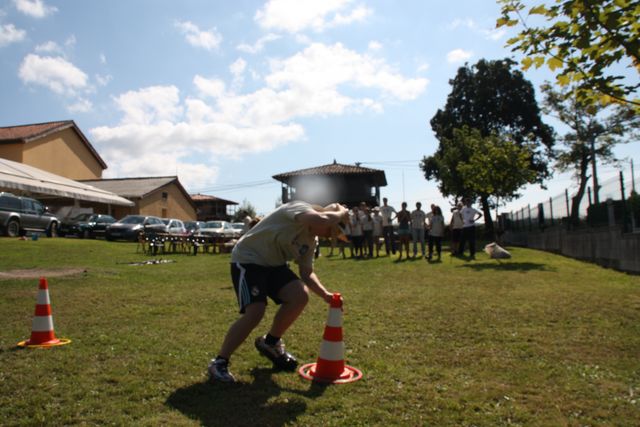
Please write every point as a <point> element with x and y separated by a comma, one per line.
<point>165,195</point>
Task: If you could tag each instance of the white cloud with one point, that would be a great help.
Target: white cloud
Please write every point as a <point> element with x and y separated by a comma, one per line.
<point>208,40</point>
<point>237,69</point>
<point>374,45</point>
<point>151,105</point>
<point>259,45</point>
<point>70,41</point>
<point>48,47</point>
<point>423,66</point>
<point>489,33</point>
<point>103,58</point>
<point>358,14</point>
<point>103,80</point>
<point>295,16</point>
<point>80,106</point>
<point>10,34</point>
<point>209,87</point>
<point>322,67</point>
<point>34,8</point>
<point>458,55</point>
<point>54,73</point>
<point>216,124</point>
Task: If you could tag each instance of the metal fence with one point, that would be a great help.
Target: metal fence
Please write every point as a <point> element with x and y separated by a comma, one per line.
<point>618,204</point>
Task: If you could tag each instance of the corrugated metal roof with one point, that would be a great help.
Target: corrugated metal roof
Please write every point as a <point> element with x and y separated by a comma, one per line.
<point>18,176</point>
<point>33,132</point>
<point>334,169</point>
<point>132,187</point>
<point>207,198</point>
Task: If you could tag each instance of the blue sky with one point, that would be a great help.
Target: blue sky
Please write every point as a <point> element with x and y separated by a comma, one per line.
<point>227,94</point>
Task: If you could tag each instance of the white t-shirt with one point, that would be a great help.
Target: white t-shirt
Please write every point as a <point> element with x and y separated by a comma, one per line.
<point>367,223</point>
<point>418,218</point>
<point>277,238</point>
<point>356,225</point>
<point>456,220</point>
<point>468,215</point>
<point>377,225</point>
<point>437,226</point>
<point>386,212</point>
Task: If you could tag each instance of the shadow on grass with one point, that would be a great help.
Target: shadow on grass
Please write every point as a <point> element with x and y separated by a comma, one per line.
<point>506,266</point>
<point>254,403</point>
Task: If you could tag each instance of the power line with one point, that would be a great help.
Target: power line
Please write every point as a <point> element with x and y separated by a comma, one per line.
<point>238,186</point>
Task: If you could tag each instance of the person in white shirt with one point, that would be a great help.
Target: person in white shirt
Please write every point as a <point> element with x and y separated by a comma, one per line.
<point>356,232</point>
<point>418,221</point>
<point>387,213</point>
<point>367,229</point>
<point>436,231</point>
<point>377,229</point>
<point>456,228</point>
<point>259,270</point>
<point>469,218</point>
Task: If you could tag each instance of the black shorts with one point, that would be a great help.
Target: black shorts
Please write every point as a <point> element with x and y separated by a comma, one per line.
<point>456,234</point>
<point>254,283</point>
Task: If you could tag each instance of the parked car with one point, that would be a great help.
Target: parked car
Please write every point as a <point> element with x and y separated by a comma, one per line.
<point>218,229</point>
<point>130,227</point>
<point>86,225</point>
<point>239,227</point>
<point>193,227</point>
<point>174,226</point>
<point>21,214</point>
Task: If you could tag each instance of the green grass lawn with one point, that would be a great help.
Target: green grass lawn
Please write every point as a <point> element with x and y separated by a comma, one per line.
<point>536,340</point>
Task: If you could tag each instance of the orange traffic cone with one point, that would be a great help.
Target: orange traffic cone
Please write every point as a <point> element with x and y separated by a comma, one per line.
<point>330,367</point>
<point>42,334</point>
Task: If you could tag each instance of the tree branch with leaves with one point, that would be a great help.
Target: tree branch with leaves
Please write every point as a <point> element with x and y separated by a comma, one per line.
<point>584,42</point>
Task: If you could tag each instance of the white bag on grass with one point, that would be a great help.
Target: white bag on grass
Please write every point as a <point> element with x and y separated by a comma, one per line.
<point>496,252</point>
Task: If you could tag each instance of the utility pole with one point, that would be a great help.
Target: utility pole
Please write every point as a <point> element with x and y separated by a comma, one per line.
<point>594,172</point>
<point>633,178</point>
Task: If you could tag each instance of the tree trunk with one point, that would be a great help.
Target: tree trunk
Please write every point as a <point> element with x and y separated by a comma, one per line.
<point>582,184</point>
<point>489,231</point>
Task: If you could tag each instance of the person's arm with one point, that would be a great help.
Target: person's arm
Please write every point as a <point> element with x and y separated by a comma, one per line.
<point>312,281</point>
<point>313,218</point>
<point>479,215</point>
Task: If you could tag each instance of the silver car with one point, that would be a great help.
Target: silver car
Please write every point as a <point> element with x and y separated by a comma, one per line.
<point>21,214</point>
<point>218,229</point>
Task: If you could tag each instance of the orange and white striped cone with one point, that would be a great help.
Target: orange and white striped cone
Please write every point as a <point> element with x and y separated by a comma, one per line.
<point>42,334</point>
<point>330,366</point>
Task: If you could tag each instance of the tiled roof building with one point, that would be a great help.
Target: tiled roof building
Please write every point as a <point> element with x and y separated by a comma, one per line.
<point>335,182</point>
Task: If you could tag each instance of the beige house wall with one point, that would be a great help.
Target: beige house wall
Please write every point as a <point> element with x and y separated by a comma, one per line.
<point>62,153</point>
<point>11,152</point>
<point>175,205</point>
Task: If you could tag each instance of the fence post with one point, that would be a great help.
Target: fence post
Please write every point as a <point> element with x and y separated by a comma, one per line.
<point>530,222</point>
<point>551,209</point>
<point>566,198</point>
<point>624,203</point>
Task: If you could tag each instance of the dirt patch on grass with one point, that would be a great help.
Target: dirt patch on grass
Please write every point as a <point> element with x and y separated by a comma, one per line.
<point>34,273</point>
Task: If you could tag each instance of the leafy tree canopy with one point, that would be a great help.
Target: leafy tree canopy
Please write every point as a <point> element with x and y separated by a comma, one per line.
<point>498,103</point>
<point>495,99</point>
<point>584,42</point>
<point>495,166</point>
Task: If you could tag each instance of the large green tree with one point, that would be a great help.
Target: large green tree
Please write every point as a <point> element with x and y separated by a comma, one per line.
<point>492,167</point>
<point>594,130</point>
<point>495,99</point>
<point>587,43</point>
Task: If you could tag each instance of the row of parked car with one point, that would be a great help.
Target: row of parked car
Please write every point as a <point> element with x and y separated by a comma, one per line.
<point>19,215</point>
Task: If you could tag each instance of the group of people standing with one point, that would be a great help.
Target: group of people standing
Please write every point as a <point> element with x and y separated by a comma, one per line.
<point>367,228</point>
